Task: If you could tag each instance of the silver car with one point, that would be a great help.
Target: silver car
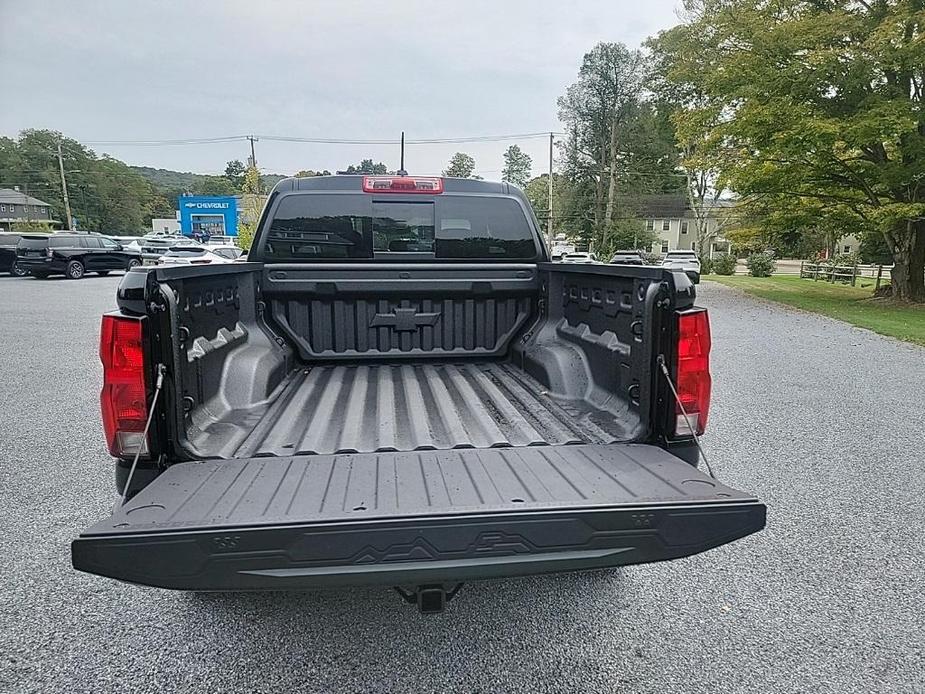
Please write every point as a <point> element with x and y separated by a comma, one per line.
<point>683,260</point>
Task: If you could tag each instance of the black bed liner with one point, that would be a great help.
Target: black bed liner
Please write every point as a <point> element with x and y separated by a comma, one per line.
<point>413,517</point>
<point>413,407</point>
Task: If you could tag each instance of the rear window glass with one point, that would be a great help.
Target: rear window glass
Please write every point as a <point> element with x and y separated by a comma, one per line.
<point>351,227</point>
<point>185,251</point>
<point>7,240</point>
<point>33,242</point>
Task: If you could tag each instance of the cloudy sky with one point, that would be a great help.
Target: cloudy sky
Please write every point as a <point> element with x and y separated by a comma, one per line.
<point>111,70</point>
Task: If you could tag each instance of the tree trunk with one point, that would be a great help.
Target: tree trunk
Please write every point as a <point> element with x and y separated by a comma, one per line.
<point>612,187</point>
<point>908,275</point>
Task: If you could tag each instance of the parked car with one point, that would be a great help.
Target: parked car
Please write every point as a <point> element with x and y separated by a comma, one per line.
<point>72,255</point>
<point>579,257</point>
<point>221,240</point>
<point>199,255</point>
<point>344,411</point>
<point>153,247</point>
<point>627,258</point>
<point>683,260</point>
<point>8,262</point>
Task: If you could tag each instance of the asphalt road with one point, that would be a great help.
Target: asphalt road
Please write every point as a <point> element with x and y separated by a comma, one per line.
<point>824,421</point>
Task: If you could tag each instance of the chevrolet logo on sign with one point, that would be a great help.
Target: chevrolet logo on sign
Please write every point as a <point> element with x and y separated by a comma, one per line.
<point>404,319</point>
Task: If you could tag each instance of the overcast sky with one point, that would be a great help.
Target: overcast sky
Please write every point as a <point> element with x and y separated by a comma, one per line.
<point>168,69</point>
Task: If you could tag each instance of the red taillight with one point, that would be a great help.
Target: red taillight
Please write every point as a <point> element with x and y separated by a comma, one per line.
<point>402,184</point>
<point>693,372</point>
<point>123,399</point>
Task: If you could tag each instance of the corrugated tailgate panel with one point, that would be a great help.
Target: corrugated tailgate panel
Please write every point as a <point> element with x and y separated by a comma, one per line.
<point>347,409</point>
<point>262,491</point>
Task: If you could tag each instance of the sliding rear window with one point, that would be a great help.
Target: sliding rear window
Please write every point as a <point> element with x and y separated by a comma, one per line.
<point>349,227</point>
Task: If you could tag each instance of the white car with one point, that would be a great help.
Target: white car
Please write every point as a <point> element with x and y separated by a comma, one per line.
<point>683,260</point>
<point>579,258</point>
<point>199,255</point>
<point>219,240</point>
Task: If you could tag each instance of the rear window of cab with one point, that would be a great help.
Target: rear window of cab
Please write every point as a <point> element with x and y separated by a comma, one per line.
<point>349,226</point>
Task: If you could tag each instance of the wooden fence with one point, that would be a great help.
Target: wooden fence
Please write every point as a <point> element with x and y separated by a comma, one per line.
<point>845,273</point>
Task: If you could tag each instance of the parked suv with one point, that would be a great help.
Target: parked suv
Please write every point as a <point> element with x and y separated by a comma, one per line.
<point>72,255</point>
<point>8,255</point>
<point>683,260</point>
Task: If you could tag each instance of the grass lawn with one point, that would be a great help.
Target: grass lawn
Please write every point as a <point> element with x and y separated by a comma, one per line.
<point>851,304</point>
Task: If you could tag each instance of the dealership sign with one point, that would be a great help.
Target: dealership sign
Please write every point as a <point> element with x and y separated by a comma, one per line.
<point>208,215</point>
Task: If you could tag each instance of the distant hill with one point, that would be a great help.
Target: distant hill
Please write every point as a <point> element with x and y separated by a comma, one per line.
<point>175,182</point>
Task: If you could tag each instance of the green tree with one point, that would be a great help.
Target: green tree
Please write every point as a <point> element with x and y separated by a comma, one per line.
<point>815,107</point>
<point>309,173</point>
<point>214,185</point>
<point>368,168</point>
<point>251,207</point>
<point>234,172</point>
<point>461,166</point>
<point>517,166</point>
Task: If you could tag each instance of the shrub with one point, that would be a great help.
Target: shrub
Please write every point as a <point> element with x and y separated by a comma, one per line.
<point>760,264</point>
<point>724,264</point>
<point>651,258</point>
<point>706,266</point>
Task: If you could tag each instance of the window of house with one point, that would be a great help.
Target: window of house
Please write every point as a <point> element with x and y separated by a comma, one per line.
<point>664,246</point>
<point>694,246</point>
<point>683,227</point>
<point>666,225</point>
<point>2,208</point>
<point>650,225</point>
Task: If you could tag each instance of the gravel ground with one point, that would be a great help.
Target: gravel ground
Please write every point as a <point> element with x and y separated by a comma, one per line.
<point>824,421</point>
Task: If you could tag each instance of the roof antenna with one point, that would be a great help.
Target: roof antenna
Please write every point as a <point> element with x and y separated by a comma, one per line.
<point>401,167</point>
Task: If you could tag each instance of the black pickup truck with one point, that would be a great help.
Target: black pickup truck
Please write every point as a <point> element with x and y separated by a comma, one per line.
<point>400,389</point>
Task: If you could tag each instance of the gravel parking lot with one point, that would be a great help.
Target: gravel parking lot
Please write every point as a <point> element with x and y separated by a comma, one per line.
<point>824,421</point>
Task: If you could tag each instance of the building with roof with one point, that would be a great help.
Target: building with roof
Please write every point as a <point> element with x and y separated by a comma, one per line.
<point>16,206</point>
<point>670,216</point>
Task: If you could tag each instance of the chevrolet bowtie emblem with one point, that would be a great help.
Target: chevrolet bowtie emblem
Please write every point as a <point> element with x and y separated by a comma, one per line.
<point>404,319</point>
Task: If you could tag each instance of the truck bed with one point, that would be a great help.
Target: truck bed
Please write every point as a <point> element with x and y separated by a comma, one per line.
<point>369,408</point>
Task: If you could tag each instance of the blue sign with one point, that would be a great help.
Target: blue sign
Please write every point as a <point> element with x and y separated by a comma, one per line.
<point>202,215</point>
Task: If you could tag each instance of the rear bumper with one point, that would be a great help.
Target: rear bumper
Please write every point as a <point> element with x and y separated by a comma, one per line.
<point>42,265</point>
<point>415,551</point>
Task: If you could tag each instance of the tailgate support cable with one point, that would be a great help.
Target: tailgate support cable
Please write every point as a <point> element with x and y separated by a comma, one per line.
<point>690,426</point>
<point>161,369</point>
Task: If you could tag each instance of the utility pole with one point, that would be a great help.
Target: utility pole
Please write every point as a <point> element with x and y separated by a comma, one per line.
<point>549,219</point>
<point>253,153</point>
<point>67,202</point>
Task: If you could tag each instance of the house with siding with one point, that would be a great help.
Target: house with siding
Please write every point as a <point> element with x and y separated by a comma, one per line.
<point>672,219</point>
<point>16,206</point>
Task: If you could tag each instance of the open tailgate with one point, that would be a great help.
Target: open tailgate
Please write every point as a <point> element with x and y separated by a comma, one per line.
<point>420,517</point>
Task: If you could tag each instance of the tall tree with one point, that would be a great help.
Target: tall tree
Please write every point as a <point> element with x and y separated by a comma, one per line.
<point>597,109</point>
<point>461,166</point>
<point>517,166</point>
<point>234,172</point>
<point>815,107</point>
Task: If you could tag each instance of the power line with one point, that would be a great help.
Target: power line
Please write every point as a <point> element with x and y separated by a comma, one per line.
<point>318,140</point>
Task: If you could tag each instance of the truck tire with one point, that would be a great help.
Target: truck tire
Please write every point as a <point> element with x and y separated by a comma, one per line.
<point>134,262</point>
<point>17,271</point>
<point>75,270</point>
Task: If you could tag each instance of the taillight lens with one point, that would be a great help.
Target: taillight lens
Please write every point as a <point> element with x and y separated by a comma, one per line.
<point>123,399</point>
<point>693,372</point>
